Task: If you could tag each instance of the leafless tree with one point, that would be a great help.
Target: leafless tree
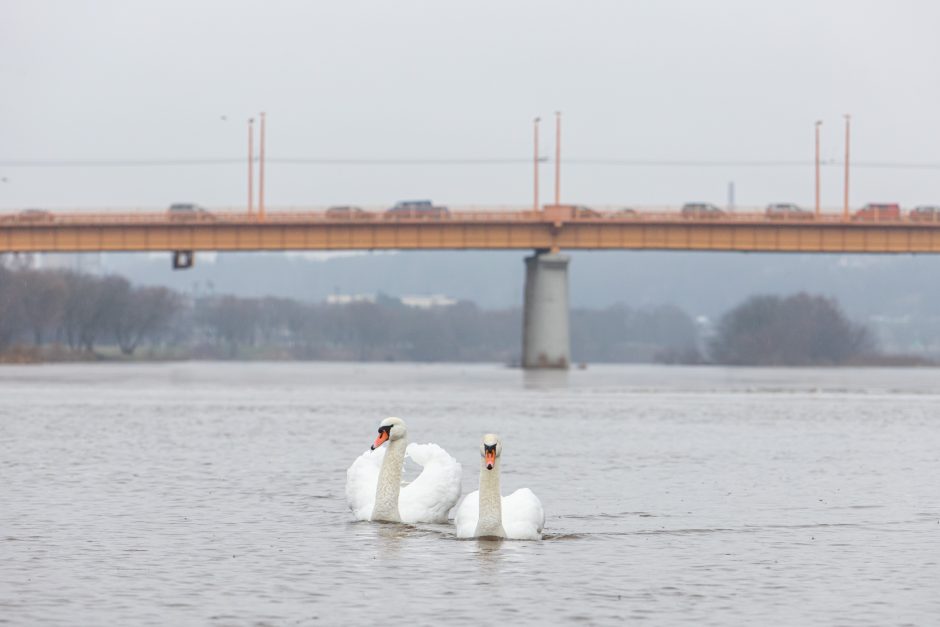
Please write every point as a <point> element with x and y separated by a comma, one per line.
<point>42,297</point>
<point>11,312</point>
<point>91,306</point>
<point>798,330</point>
<point>142,313</point>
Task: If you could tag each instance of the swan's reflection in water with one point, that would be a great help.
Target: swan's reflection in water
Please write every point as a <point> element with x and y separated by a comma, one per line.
<point>389,538</point>
<point>544,379</point>
<point>488,551</point>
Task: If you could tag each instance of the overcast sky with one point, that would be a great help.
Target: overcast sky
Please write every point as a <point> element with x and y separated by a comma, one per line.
<point>736,80</point>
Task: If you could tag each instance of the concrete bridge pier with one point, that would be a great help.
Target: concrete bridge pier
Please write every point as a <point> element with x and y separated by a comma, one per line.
<point>545,342</point>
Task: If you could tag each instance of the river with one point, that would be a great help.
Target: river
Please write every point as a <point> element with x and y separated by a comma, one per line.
<point>213,494</point>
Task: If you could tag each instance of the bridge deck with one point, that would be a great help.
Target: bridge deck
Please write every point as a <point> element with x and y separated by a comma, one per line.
<point>462,230</point>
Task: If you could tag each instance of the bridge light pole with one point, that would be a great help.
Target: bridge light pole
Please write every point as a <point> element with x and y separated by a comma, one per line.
<point>845,199</point>
<point>557,157</point>
<point>261,173</point>
<point>535,162</point>
<point>818,124</point>
<point>251,167</point>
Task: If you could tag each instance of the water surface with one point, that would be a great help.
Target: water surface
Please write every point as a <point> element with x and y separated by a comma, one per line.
<point>212,494</point>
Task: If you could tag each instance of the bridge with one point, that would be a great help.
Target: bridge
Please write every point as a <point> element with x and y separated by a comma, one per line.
<point>548,231</point>
<point>554,228</point>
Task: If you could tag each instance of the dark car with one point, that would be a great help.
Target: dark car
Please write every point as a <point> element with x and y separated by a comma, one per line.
<point>188,211</point>
<point>701,210</point>
<point>786,210</point>
<point>925,213</point>
<point>346,212</point>
<point>417,209</point>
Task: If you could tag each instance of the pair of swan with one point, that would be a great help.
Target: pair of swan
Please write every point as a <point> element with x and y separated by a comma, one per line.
<point>374,489</point>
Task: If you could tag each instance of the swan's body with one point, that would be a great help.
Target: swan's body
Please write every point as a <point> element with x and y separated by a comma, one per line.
<point>486,513</point>
<point>373,482</point>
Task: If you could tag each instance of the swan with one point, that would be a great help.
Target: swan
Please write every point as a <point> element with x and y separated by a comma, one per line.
<point>487,514</point>
<point>374,489</point>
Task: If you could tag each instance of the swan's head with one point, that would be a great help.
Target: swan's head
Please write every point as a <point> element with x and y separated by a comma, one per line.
<point>390,429</point>
<point>490,450</point>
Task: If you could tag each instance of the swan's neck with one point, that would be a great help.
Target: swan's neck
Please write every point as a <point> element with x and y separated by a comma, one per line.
<point>491,503</point>
<point>389,485</point>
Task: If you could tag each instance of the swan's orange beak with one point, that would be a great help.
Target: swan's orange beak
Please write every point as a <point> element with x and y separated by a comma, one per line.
<point>490,458</point>
<point>379,441</point>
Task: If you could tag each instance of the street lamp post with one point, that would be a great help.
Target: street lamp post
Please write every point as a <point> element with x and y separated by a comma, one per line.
<point>535,157</point>
<point>251,166</point>
<point>261,173</point>
<point>818,124</point>
<point>845,199</point>
<point>557,158</point>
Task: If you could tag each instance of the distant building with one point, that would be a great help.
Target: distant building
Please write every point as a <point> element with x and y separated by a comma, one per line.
<point>427,302</point>
<point>348,299</point>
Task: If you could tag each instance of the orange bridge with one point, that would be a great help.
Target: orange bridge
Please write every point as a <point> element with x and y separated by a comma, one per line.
<point>555,228</point>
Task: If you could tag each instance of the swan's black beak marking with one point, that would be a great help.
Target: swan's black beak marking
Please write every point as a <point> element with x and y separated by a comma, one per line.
<point>489,455</point>
<point>383,436</point>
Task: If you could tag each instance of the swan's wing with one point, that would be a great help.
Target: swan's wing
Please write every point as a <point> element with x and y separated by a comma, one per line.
<point>523,516</point>
<point>361,480</point>
<point>435,491</point>
<point>468,515</point>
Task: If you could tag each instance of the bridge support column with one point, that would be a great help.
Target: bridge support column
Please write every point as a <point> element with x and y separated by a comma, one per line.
<point>545,342</point>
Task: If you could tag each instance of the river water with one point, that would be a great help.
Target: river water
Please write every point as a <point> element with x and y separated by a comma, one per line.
<point>213,494</point>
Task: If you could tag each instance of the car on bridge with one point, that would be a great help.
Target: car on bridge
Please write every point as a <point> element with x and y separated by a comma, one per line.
<point>347,212</point>
<point>879,211</point>
<point>32,216</point>
<point>580,211</point>
<point>625,212</point>
<point>424,209</point>
<point>700,210</point>
<point>925,213</point>
<point>787,210</point>
<point>188,211</point>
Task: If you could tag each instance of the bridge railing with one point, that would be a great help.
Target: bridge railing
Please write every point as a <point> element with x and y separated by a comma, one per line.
<point>466,214</point>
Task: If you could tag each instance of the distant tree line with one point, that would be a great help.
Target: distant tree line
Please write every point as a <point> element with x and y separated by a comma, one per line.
<point>52,312</point>
<point>620,334</point>
<point>81,311</point>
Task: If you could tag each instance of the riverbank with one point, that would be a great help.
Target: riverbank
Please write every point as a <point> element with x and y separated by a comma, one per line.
<point>112,354</point>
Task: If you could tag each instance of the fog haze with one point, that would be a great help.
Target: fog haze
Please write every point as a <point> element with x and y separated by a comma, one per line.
<point>666,81</point>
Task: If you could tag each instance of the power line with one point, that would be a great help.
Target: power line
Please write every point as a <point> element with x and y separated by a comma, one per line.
<point>672,163</point>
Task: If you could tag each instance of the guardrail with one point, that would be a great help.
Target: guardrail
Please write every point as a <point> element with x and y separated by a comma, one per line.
<point>456,215</point>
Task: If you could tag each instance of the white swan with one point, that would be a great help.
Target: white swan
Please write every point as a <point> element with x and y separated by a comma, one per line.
<point>373,483</point>
<point>485,513</point>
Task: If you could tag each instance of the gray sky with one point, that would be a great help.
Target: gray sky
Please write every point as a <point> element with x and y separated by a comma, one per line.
<point>737,80</point>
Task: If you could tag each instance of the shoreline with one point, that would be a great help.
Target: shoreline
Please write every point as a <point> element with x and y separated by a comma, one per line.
<point>24,356</point>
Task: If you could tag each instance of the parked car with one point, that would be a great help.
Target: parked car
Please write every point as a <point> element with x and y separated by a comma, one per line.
<point>786,210</point>
<point>346,212</point>
<point>878,211</point>
<point>701,210</point>
<point>925,213</point>
<point>188,211</point>
<point>417,209</point>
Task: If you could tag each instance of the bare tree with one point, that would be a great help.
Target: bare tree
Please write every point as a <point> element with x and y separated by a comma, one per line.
<point>231,321</point>
<point>91,307</point>
<point>795,331</point>
<point>42,298</point>
<point>11,312</point>
<point>142,313</point>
